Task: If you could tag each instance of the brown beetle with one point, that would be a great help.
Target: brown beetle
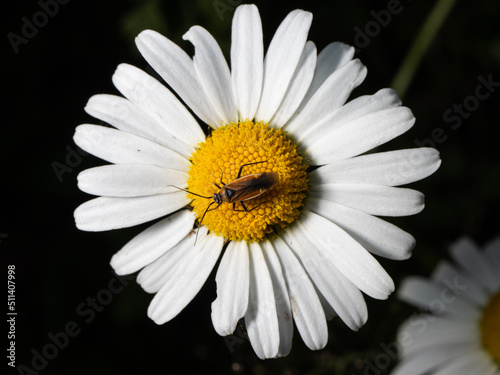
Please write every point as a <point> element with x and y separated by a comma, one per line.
<point>240,190</point>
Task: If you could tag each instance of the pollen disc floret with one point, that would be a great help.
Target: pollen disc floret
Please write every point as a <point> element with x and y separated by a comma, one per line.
<point>220,158</point>
<point>490,327</point>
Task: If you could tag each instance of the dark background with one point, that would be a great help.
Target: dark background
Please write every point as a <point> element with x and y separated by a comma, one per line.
<point>45,87</point>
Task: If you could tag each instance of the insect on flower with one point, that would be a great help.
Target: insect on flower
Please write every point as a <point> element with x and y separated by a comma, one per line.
<point>242,189</point>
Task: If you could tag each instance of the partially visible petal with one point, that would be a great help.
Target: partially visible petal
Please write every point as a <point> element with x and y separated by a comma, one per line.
<point>427,295</point>
<point>331,58</point>
<point>377,236</point>
<point>327,308</point>
<point>306,306</point>
<point>425,361</point>
<point>281,60</point>
<point>156,100</point>
<point>351,259</point>
<point>156,274</point>
<point>130,180</point>
<point>360,135</point>
<point>213,73</point>
<point>186,281</point>
<point>298,86</point>
<point>151,243</point>
<point>392,168</point>
<point>474,363</point>
<point>492,253</point>
<point>120,147</point>
<point>460,284</point>
<point>341,294</point>
<point>283,309</point>
<point>232,288</point>
<point>177,69</point>
<point>107,213</point>
<point>261,318</point>
<point>247,60</point>
<point>432,331</point>
<point>349,112</point>
<point>467,254</point>
<point>328,98</point>
<point>372,199</point>
<point>125,115</point>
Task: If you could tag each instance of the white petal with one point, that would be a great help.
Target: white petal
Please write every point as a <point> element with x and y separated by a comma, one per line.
<point>281,60</point>
<point>186,281</point>
<point>460,284</point>
<point>156,274</point>
<point>125,115</point>
<point>261,319</point>
<point>429,295</point>
<point>467,254</point>
<point>423,332</point>
<point>157,101</point>
<point>392,168</point>
<point>247,60</point>
<point>348,256</point>
<point>360,135</point>
<point>327,308</point>
<point>232,288</point>
<point>474,363</point>
<point>425,361</point>
<point>332,57</point>
<point>107,213</point>
<point>306,306</point>
<point>492,253</point>
<point>177,69</point>
<point>213,73</point>
<point>372,199</point>
<point>328,98</point>
<point>130,180</point>
<point>356,108</point>
<point>151,243</point>
<point>120,147</point>
<point>341,294</point>
<point>283,309</point>
<point>376,235</point>
<point>298,86</point>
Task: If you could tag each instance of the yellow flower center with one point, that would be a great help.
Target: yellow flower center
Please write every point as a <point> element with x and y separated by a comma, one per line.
<point>252,207</point>
<point>490,327</point>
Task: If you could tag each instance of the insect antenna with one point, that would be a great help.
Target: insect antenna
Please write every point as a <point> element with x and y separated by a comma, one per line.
<point>204,213</point>
<point>187,191</point>
<point>201,221</point>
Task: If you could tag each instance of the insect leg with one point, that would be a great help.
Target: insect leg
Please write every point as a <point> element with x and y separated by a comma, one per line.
<point>216,207</point>
<point>222,175</point>
<point>201,221</point>
<point>244,165</point>
<point>245,209</point>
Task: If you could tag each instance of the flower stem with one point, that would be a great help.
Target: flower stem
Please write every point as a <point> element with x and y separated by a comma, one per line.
<point>420,45</point>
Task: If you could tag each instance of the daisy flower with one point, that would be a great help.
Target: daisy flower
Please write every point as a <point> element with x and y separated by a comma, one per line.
<point>459,334</point>
<point>299,251</point>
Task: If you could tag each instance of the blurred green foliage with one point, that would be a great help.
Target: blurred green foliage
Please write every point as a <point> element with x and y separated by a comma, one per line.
<point>73,57</point>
